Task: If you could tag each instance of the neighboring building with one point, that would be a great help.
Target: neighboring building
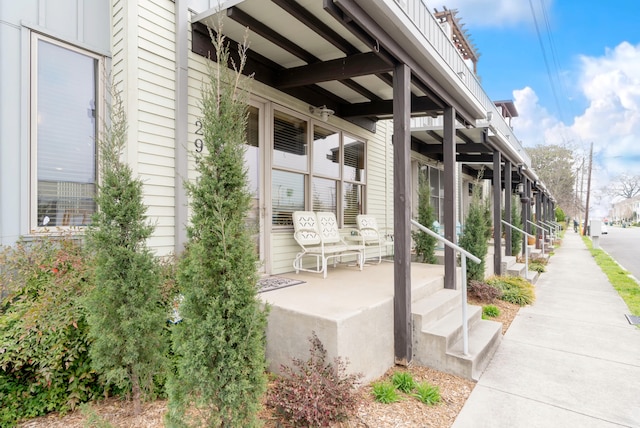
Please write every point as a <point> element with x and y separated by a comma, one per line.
<point>625,210</point>
<point>337,85</point>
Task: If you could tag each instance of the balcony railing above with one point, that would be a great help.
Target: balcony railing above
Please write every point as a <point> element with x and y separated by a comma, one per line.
<point>419,14</point>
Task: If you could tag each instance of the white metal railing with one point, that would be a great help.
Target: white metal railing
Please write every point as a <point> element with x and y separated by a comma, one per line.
<point>541,227</point>
<point>464,254</point>
<point>526,248</point>
<point>552,230</point>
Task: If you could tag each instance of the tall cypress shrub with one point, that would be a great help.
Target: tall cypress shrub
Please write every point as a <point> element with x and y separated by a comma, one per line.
<point>516,220</point>
<point>425,244</point>
<point>220,375</point>
<point>474,237</point>
<point>124,309</point>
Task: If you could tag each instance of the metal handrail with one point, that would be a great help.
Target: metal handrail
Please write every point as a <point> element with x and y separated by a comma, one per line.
<point>526,248</point>
<point>552,230</point>
<point>538,225</point>
<point>464,254</point>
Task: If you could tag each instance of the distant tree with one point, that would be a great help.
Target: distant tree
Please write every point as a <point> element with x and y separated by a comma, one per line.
<point>554,165</point>
<point>425,243</point>
<point>124,310</point>
<point>220,342</point>
<point>626,186</point>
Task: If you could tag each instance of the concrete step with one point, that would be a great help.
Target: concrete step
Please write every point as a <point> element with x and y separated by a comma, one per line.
<point>533,276</point>
<point>448,329</point>
<point>432,308</point>
<point>517,269</point>
<point>484,340</point>
<point>507,263</point>
<point>430,286</point>
<point>440,343</point>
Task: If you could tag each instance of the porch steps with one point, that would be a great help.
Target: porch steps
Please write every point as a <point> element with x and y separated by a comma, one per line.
<point>438,341</point>
<point>513,268</point>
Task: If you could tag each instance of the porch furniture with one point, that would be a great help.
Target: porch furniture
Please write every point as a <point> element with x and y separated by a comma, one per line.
<point>318,236</point>
<point>371,236</point>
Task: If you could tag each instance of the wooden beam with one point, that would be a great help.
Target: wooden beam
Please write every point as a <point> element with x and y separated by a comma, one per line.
<point>360,22</point>
<point>361,64</point>
<point>276,38</point>
<point>402,324</point>
<point>311,21</point>
<point>449,158</point>
<point>385,107</point>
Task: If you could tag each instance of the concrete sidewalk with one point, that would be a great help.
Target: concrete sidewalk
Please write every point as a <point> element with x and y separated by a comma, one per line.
<point>569,360</point>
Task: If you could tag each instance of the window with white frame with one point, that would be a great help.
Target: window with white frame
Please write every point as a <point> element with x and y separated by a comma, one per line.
<point>315,168</point>
<point>436,185</point>
<point>65,96</point>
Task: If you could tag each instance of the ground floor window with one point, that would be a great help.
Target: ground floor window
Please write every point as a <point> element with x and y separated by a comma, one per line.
<point>64,128</point>
<point>317,168</point>
<point>435,177</point>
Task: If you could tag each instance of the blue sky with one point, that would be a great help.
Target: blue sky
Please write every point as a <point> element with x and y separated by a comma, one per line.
<point>589,88</point>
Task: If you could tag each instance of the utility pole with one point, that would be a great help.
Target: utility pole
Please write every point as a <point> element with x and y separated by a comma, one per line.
<point>586,213</point>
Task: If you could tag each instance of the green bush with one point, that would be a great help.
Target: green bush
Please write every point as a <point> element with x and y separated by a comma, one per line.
<point>403,381</point>
<point>427,393</point>
<point>514,289</point>
<point>315,393</point>
<point>385,392</point>
<point>44,358</point>
<point>474,237</point>
<point>537,267</point>
<point>490,311</point>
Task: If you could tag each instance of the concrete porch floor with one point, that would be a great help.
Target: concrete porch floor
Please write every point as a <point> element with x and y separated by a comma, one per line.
<point>351,312</point>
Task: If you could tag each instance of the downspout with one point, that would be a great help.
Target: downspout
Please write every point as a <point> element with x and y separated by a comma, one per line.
<point>181,171</point>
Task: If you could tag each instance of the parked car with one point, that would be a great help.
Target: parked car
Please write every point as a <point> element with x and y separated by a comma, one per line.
<point>604,229</point>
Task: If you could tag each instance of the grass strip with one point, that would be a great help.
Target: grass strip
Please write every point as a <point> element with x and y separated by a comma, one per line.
<point>627,287</point>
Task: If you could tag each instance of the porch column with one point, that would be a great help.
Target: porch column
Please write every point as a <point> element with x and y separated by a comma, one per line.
<point>539,217</point>
<point>449,158</point>
<point>402,214</point>
<point>497,208</point>
<point>525,211</point>
<point>507,207</point>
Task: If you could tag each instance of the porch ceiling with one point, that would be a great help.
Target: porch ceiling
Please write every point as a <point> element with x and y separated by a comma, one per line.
<point>312,50</point>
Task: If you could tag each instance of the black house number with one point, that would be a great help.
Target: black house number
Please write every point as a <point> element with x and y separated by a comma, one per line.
<point>198,142</point>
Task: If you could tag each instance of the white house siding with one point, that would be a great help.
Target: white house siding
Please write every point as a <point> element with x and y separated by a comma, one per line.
<point>144,70</point>
<point>81,23</point>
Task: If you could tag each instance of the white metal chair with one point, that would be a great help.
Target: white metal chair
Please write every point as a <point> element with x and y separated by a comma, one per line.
<point>371,236</point>
<point>319,237</point>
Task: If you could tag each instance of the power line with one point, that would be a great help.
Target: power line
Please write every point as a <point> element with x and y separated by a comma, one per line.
<point>550,74</point>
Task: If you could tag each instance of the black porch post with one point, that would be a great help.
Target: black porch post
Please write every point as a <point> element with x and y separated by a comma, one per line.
<point>449,158</point>
<point>538,219</point>
<point>497,208</point>
<point>402,214</point>
<point>525,211</point>
<point>507,207</point>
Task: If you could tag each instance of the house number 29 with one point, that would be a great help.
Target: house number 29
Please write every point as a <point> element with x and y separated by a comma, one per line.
<point>199,143</point>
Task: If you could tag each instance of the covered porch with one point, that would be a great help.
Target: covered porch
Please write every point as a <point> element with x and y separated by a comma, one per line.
<point>352,313</point>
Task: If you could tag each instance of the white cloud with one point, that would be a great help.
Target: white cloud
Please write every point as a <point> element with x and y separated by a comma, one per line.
<point>611,86</point>
<point>491,13</point>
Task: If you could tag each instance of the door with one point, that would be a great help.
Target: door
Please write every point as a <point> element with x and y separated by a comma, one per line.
<point>253,159</point>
